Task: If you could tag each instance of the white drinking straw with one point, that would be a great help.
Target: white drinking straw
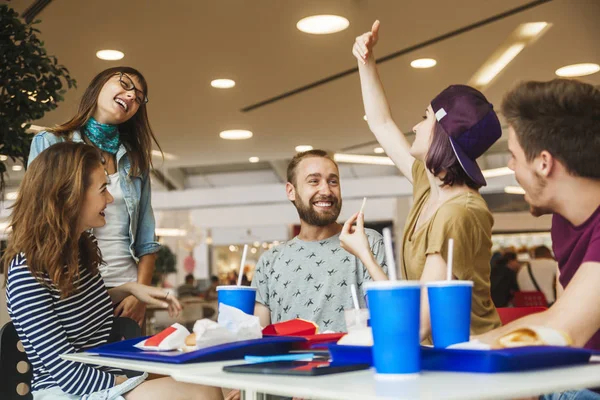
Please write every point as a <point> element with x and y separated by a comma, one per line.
<point>389,254</point>
<point>362,208</point>
<point>354,296</point>
<point>450,255</point>
<point>242,265</point>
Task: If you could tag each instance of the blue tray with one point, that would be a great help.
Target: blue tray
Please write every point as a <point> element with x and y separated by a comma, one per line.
<point>484,361</point>
<point>230,351</point>
<point>341,354</point>
<point>503,360</point>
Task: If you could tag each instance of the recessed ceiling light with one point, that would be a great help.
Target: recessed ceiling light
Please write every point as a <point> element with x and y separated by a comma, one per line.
<point>236,134</point>
<point>110,55</point>
<point>303,148</point>
<point>423,63</point>
<point>322,24</point>
<point>17,167</point>
<point>3,157</point>
<point>168,156</point>
<point>494,172</point>
<point>523,36</point>
<point>531,29</point>
<point>490,71</point>
<point>254,159</point>
<point>222,83</point>
<point>378,150</point>
<point>11,195</point>
<point>574,70</point>
<point>514,190</point>
<point>361,159</point>
<point>365,117</point>
<point>171,232</point>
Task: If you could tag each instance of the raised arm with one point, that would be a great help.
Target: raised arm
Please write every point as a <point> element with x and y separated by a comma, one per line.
<point>377,109</point>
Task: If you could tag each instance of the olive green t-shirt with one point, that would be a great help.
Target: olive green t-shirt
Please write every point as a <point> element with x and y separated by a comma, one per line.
<point>466,219</point>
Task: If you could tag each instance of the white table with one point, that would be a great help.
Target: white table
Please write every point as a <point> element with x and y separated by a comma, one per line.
<point>362,385</point>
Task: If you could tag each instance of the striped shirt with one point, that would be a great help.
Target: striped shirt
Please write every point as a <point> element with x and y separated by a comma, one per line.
<point>49,326</point>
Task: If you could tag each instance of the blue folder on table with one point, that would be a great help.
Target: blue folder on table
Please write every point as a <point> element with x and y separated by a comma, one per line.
<point>229,351</point>
<point>483,361</point>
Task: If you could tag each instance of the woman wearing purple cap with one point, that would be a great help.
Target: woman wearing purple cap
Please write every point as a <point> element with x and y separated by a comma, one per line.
<point>458,126</point>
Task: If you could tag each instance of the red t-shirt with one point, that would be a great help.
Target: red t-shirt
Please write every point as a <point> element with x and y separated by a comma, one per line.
<point>573,246</point>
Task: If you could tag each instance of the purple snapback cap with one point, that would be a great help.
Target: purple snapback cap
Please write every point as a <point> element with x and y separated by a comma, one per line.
<point>470,122</point>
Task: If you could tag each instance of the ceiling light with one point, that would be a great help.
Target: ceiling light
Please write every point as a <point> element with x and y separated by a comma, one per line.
<point>253,250</point>
<point>3,157</point>
<point>322,24</point>
<point>17,167</point>
<point>490,71</point>
<point>532,29</point>
<point>256,244</point>
<point>574,70</point>
<point>514,190</point>
<point>423,63</point>
<point>170,232</point>
<point>360,159</point>
<point>222,83</point>
<point>110,55</point>
<point>522,36</point>
<point>494,172</point>
<point>236,134</point>
<point>11,195</point>
<point>4,228</point>
<point>303,148</point>
<point>378,150</point>
<point>254,160</point>
<point>232,248</point>
<point>168,156</point>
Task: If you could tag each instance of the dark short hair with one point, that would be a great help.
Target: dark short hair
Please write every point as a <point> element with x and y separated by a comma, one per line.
<point>441,158</point>
<point>291,169</point>
<point>509,256</point>
<point>214,279</point>
<point>542,252</point>
<point>561,116</point>
<point>189,277</point>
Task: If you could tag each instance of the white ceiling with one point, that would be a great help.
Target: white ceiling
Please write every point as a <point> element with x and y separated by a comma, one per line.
<point>180,46</point>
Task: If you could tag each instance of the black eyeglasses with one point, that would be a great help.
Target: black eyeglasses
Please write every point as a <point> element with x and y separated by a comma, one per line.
<point>128,84</point>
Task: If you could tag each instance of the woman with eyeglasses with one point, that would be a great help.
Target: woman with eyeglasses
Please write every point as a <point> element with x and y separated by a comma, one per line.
<point>112,117</point>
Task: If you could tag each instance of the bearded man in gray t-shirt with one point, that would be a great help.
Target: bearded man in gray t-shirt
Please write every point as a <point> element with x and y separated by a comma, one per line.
<point>309,277</point>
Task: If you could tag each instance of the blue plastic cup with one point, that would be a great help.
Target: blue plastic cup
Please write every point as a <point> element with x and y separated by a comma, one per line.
<point>395,315</point>
<point>240,297</point>
<point>450,311</point>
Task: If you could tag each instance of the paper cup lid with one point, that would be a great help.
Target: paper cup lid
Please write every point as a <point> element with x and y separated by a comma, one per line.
<point>448,283</point>
<point>386,285</point>
<point>235,287</point>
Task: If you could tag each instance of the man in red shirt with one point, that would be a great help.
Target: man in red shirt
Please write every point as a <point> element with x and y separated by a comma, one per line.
<point>554,141</point>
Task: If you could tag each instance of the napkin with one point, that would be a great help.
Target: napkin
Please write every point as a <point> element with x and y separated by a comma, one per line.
<point>171,338</point>
<point>233,325</point>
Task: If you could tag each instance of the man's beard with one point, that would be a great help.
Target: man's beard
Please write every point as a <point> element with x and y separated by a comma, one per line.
<point>535,193</point>
<point>311,216</point>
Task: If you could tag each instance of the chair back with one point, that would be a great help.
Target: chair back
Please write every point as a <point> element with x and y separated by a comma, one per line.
<point>529,299</point>
<point>15,370</point>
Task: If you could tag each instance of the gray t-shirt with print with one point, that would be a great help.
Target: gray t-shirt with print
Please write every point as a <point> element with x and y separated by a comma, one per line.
<point>311,280</point>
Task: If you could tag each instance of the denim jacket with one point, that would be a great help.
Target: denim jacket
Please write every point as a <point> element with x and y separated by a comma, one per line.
<point>136,192</point>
